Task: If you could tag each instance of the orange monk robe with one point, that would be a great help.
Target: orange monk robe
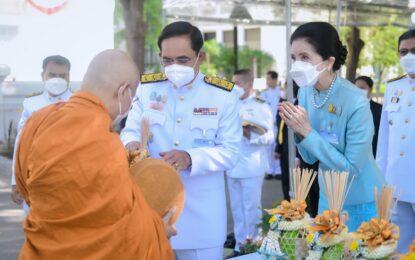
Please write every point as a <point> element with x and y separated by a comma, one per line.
<point>73,172</point>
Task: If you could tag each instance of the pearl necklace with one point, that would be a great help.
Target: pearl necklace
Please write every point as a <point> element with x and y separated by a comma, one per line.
<point>327,96</point>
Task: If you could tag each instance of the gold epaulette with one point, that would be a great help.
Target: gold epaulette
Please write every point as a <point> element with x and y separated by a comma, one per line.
<point>260,100</point>
<point>397,78</point>
<point>34,94</point>
<point>153,77</point>
<point>219,83</point>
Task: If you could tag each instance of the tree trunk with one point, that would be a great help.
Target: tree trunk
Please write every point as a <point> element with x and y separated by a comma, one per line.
<point>355,47</point>
<point>133,12</point>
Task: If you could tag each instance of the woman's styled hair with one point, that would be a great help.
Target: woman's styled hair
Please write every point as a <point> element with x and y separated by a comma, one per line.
<point>325,40</point>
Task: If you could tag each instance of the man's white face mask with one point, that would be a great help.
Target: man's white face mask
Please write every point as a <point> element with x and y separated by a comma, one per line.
<point>408,63</point>
<point>56,86</point>
<point>180,75</point>
<point>239,91</point>
<point>365,91</point>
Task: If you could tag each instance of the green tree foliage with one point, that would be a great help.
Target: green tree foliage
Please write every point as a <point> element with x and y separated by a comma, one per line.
<point>220,60</point>
<point>380,50</point>
<point>120,34</point>
<point>152,18</point>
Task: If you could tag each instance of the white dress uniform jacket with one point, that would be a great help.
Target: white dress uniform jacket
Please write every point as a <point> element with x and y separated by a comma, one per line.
<point>253,158</point>
<point>203,120</point>
<point>395,153</point>
<point>245,180</point>
<point>272,98</point>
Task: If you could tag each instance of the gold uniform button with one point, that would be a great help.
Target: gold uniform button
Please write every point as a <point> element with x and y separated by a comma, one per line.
<point>403,137</point>
<point>402,154</point>
<point>178,120</point>
<point>409,104</point>
<point>407,121</point>
<point>176,143</point>
<point>181,98</point>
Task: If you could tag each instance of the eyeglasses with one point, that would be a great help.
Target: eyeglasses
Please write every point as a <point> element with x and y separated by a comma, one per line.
<point>403,52</point>
<point>179,60</point>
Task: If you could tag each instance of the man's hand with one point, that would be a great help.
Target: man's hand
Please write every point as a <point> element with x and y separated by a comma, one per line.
<point>277,156</point>
<point>133,146</point>
<point>179,159</point>
<point>247,132</point>
<point>16,197</point>
<point>170,229</point>
<point>297,162</point>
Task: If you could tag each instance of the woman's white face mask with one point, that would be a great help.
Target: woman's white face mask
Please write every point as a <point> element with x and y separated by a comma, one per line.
<point>180,75</point>
<point>305,73</point>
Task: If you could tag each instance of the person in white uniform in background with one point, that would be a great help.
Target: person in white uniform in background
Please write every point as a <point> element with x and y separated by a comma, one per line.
<point>245,180</point>
<point>195,127</point>
<point>271,95</point>
<point>55,76</point>
<point>395,152</point>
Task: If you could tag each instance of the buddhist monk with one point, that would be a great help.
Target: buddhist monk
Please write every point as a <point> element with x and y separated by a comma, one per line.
<point>73,172</point>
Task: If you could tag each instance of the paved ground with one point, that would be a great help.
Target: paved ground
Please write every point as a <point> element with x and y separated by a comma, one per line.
<point>11,216</point>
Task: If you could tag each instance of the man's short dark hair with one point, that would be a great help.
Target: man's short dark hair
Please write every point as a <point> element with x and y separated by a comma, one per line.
<point>246,72</point>
<point>60,60</point>
<point>182,28</point>
<point>273,74</point>
<point>366,79</point>
<point>406,35</point>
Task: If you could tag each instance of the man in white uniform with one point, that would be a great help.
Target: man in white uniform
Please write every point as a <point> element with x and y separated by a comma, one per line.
<point>194,125</point>
<point>271,95</point>
<point>245,180</point>
<point>55,76</point>
<point>395,153</point>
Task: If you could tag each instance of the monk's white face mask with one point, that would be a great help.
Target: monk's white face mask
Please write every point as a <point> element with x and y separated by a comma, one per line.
<point>122,115</point>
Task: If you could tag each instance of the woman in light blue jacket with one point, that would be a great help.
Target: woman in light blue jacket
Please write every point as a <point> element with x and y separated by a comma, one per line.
<point>332,123</point>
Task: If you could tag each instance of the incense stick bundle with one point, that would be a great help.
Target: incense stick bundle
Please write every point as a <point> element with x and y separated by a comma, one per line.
<point>145,134</point>
<point>384,202</point>
<point>335,185</point>
<point>302,182</point>
<point>142,152</point>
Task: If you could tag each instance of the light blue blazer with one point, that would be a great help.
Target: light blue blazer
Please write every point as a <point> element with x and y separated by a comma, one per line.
<point>341,138</point>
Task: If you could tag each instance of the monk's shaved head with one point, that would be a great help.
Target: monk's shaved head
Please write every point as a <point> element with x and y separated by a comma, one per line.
<point>108,72</point>
<point>110,69</point>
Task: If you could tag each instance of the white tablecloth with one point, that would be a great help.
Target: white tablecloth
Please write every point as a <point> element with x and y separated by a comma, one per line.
<point>254,256</point>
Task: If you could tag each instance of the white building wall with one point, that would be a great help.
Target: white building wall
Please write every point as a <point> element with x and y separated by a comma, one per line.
<point>273,41</point>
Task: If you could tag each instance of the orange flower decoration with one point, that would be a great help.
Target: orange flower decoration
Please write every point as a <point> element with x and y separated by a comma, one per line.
<point>290,210</point>
<point>378,232</point>
<point>329,223</point>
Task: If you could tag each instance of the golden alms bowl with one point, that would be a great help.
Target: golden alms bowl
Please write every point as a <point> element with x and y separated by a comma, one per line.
<point>161,186</point>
